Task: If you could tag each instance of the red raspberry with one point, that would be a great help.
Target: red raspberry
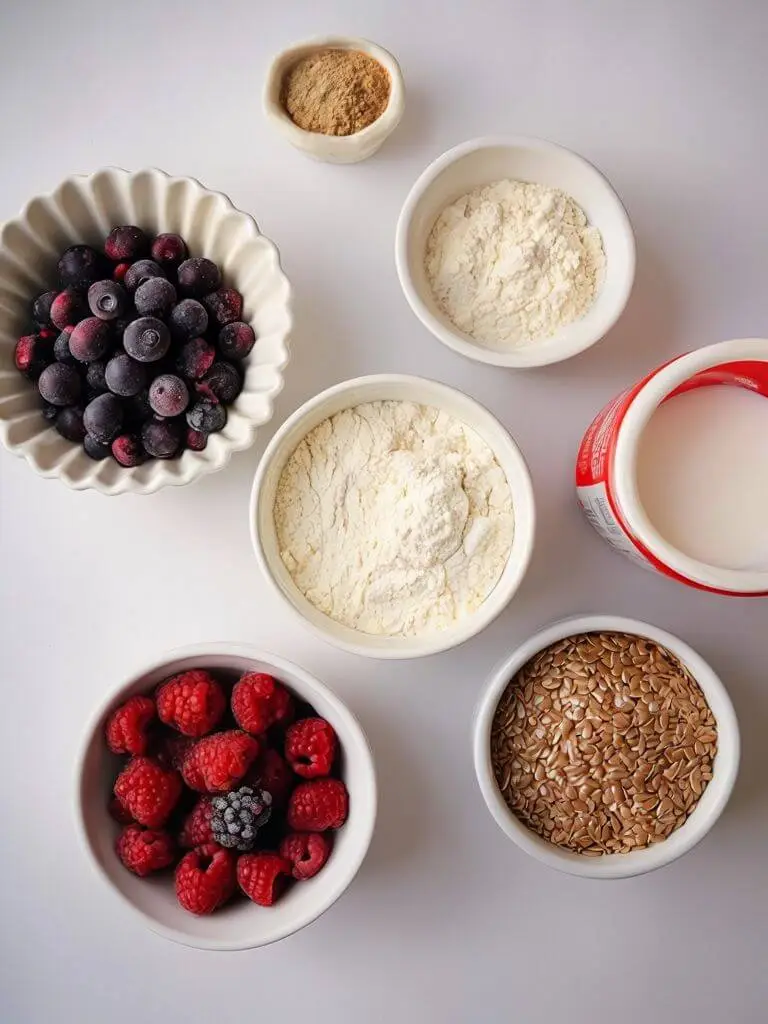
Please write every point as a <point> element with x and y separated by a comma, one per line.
<point>263,876</point>
<point>205,878</point>
<point>317,805</point>
<point>127,726</point>
<point>307,851</point>
<point>215,763</point>
<point>144,850</point>
<point>271,772</point>
<point>258,702</point>
<point>173,749</point>
<point>192,702</point>
<point>118,812</point>
<point>310,746</point>
<point>147,791</point>
<point>196,830</point>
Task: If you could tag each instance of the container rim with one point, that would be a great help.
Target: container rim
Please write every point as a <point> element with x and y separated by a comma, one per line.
<point>640,411</point>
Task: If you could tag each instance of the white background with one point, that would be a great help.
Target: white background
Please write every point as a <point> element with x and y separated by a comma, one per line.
<point>447,921</point>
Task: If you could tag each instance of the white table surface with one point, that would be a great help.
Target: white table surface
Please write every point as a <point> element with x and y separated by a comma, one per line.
<point>447,921</point>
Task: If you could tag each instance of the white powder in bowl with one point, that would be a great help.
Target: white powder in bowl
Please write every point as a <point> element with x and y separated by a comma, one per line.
<point>394,518</point>
<point>513,262</point>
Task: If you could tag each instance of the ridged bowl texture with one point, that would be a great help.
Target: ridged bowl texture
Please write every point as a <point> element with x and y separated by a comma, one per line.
<point>84,209</point>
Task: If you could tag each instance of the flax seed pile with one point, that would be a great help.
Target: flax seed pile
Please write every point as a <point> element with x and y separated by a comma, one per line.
<point>603,743</point>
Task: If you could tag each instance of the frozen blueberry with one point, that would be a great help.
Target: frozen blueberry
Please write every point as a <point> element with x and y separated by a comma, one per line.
<point>96,379</point>
<point>224,306</point>
<point>141,271</point>
<point>122,324</point>
<point>206,417</point>
<point>32,354</point>
<point>236,340</point>
<point>59,384</point>
<point>154,297</point>
<point>126,242</point>
<point>169,250</point>
<point>69,424</point>
<point>90,339</point>
<point>103,418</point>
<point>222,383</point>
<point>196,439</point>
<point>146,339</point>
<point>137,410</point>
<point>107,300</point>
<point>80,265</point>
<point>198,276</point>
<point>68,308</point>
<point>49,412</point>
<point>188,319</point>
<point>195,358</point>
<point>168,395</point>
<point>95,449</point>
<point>41,309</point>
<point>124,376</point>
<point>128,451</point>
<point>61,352</point>
<point>161,438</point>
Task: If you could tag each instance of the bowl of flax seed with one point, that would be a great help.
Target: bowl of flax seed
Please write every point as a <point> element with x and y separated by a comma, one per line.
<point>605,747</point>
<point>335,98</point>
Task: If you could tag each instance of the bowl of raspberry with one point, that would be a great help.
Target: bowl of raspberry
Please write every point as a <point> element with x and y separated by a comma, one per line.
<point>226,796</point>
<point>144,325</point>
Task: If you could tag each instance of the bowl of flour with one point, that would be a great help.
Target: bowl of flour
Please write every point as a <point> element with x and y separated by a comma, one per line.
<point>394,515</point>
<point>515,251</point>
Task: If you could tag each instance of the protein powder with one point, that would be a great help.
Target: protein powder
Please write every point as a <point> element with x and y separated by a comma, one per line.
<point>394,518</point>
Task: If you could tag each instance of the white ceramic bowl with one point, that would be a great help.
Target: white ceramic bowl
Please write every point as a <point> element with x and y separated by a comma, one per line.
<point>334,149</point>
<point>704,815</point>
<point>493,158</point>
<point>242,924</point>
<point>383,387</point>
<point>84,209</point>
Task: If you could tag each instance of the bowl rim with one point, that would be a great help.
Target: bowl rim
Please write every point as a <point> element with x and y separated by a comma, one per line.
<point>527,356</point>
<point>610,866</point>
<point>350,722</point>
<point>435,643</point>
<point>340,145</point>
<point>126,484</point>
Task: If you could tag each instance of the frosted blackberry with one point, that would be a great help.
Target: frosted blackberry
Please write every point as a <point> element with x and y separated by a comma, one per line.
<point>237,817</point>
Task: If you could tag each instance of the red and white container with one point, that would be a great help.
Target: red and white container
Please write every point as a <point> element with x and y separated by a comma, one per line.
<point>606,470</point>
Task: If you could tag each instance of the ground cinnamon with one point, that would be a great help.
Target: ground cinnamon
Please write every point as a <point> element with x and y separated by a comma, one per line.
<point>336,92</point>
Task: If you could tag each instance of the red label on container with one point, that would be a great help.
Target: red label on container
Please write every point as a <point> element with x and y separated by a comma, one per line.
<point>592,465</point>
<point>746,373</point>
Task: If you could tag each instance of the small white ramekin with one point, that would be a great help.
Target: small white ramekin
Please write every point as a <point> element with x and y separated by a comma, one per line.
<point>240,925</point>
<point>606,466</point>
<point>394,387</point>
<point>683,839</point>
<point>334,149</point>
<point>493,158</point>
<point>85,208</point>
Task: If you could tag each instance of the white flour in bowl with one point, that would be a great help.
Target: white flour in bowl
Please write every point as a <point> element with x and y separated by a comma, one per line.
<point>394,518</point>
<point>514,261</point>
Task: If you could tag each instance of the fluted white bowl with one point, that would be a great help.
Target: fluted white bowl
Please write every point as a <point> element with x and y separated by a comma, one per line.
<point>83,209</point>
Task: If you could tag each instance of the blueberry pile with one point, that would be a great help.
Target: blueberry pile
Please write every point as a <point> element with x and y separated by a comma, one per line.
<point>139,352</point>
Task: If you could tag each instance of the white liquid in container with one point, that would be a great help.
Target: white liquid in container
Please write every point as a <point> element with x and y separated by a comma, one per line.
<point>702,473</point>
